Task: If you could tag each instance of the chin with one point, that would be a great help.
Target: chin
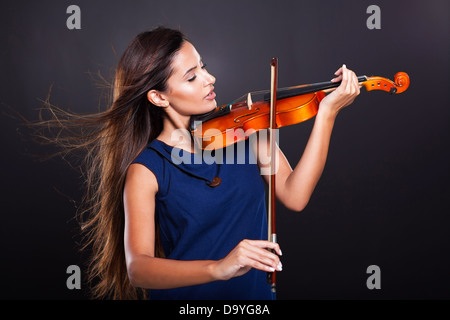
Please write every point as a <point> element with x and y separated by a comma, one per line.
<point>211,107</point>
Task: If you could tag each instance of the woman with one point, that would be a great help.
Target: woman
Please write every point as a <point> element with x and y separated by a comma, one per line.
<point>159,224</point>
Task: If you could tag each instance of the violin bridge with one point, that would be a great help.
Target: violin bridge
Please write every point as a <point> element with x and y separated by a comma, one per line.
<point>249,101</point>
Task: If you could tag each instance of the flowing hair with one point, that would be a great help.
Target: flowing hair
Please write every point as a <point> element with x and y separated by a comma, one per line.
<point>109,141</point>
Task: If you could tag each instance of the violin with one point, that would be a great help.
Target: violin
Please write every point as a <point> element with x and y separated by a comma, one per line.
<point>234,122</point>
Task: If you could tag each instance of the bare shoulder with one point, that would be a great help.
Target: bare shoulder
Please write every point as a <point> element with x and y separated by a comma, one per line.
<point>140,178</point>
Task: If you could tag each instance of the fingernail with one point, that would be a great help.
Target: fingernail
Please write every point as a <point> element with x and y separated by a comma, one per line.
<point>271,269</point>
<point>344,66</point>
<point>280,266</point>
<point>281,253</point>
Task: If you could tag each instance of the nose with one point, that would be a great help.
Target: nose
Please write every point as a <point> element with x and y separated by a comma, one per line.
<point>209,79</point>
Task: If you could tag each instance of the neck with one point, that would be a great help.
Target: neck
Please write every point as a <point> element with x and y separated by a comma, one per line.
<point>175,132</point>
<point>308,88</point>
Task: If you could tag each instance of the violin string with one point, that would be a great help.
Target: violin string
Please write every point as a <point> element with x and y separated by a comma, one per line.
<point>244,96</point>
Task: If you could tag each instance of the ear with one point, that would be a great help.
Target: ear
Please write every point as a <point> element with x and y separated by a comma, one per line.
<point>157,98</point>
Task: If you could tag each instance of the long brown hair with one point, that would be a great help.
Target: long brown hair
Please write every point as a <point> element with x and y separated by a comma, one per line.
<point>110,140</point>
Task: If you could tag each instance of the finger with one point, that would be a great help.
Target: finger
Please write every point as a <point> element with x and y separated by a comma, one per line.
<point>265,257</point>
<point>355,83</point>
<point>350,81</point>
<point>338,71</point>
<point>259,248</point>
<point>337,79</point>
<point>344,82</point>
<point>259,253</point>
<point>261,266</point>
<point>266,244</point>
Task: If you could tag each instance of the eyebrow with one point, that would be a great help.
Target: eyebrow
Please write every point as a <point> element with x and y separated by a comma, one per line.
<point>193,68</point>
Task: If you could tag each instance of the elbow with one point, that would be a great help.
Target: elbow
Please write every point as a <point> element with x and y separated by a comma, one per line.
<point>295,199</point>
<point>134,282</point>
<point>296,205</point>
<point>135,274</point>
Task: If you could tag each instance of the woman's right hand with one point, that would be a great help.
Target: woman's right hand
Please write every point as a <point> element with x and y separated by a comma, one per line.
<point>246,255</point>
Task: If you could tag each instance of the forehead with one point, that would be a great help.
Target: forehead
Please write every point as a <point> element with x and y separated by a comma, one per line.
<point>186,58</point>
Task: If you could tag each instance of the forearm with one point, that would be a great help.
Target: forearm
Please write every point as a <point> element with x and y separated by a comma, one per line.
<point>158,273</point>
<point>300,184</point>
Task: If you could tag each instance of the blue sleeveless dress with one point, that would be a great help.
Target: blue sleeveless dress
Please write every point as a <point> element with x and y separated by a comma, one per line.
<point>200,222</point>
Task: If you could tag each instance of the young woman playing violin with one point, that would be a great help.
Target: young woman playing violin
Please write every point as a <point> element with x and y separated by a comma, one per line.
<point>223,256</point>
<point>158,224</point>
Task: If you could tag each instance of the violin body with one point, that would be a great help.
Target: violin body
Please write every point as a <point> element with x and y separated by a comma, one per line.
<point>235,122</point>
<point>242,120</point>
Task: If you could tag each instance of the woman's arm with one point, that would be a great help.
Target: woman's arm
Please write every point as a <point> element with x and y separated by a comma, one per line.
<point>295,187</point>
<point>147,271</point>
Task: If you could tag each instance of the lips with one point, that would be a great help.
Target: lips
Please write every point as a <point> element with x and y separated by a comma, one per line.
<point>211,95</point>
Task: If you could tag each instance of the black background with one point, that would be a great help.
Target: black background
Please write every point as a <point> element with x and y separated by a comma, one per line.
<point>383,197</point>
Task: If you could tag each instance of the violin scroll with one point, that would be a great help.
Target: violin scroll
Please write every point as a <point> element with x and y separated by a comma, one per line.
<point>401,79</point>
<point>400,83</point>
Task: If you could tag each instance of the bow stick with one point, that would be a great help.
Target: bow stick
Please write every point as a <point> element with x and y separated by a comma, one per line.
<point>272,236</point>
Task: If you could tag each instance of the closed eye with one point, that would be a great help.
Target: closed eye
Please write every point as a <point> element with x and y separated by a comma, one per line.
<point>194,77</point>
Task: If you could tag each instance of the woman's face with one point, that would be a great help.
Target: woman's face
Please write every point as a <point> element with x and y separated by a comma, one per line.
<point>190,87</point>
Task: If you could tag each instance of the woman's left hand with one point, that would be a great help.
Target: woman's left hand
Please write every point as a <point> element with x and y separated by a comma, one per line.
<point>345,94</point>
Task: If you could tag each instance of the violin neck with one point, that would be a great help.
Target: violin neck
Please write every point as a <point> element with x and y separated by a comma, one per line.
<point>309,88</point>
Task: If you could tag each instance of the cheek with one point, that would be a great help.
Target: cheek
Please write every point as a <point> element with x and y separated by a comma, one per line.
<point>186,99</point>
<point>189,93</point>
<point>186,94</point>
